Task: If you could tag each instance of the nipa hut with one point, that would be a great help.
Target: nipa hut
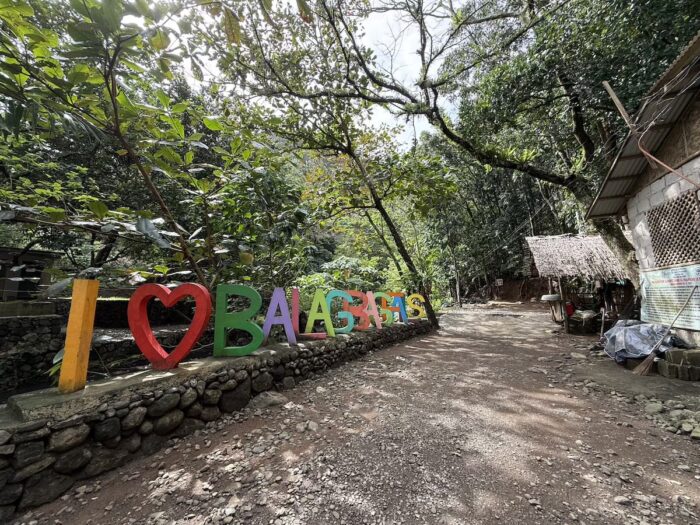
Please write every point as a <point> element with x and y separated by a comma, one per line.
<point>586,256</point>
<point>587,276</point>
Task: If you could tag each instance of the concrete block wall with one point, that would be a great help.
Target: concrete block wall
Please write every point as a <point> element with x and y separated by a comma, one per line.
<point>658,192</point>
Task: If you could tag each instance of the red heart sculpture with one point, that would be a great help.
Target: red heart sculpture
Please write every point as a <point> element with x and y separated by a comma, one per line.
<point>137,313</point>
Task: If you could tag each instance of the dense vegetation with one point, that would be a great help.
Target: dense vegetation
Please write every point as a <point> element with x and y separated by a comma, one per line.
<point>233,141</point>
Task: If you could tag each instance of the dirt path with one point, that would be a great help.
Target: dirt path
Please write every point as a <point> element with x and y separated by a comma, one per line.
<point>486,421</point>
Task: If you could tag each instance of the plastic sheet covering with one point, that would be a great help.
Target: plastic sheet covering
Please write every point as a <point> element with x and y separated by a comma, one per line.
<point>633,339</point>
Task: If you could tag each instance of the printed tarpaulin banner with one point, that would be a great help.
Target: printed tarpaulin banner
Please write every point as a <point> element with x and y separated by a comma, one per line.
<point>665,291</point>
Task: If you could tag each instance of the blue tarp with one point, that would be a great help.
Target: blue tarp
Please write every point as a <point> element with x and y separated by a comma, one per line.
<point>634,339</point>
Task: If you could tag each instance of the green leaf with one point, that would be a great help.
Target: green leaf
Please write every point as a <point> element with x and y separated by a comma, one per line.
<point>232,27</point>
<point>305,11</point>
<point>160,40</point>
<point>212,123</point>
<point>98,208</point>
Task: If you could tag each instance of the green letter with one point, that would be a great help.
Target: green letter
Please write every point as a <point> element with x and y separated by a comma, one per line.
<point>343,314</point>
<point>324,315</point>
<point>225,320</point>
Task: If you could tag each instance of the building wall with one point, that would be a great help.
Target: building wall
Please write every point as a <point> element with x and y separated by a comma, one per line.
<point>661,190</point>
<point>681,150</point>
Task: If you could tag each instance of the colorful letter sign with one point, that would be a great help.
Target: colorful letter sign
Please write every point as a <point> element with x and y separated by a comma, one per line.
<point>137,313</point>
<point>237,320</point>
<point>228,317</point>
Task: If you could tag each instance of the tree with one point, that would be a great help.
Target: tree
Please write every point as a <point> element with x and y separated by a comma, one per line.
<point>460,51</point>
<point>118,85</point>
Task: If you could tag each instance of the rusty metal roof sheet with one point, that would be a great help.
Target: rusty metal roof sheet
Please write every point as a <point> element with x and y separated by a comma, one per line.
<point>664,105</point>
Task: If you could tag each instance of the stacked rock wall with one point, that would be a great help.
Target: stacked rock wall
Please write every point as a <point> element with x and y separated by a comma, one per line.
<point>27,347</point>
<point>39,460</point>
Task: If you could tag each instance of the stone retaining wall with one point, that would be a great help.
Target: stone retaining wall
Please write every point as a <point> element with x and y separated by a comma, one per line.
<point>27,347</point>
<point>71,437</point>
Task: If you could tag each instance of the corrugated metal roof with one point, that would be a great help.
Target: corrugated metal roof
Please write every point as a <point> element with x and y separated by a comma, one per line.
<point>666,103</point>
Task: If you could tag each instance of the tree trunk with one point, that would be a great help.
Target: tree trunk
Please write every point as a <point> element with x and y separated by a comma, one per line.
<point>398,240</point>
<point>385,243</point>
<point>613,236</point>
<point>406,257</point>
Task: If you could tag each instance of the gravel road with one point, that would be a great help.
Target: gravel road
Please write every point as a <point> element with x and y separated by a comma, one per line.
<point>489,420</point>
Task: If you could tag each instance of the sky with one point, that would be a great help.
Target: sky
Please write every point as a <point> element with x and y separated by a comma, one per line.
<point>382,32</point>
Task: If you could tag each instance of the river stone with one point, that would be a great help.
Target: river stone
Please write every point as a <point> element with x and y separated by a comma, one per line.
<point>168,422</point>
<point>164,404</point>
<point>72,460</point>
<point>6,450</point>
<point>4,436</point>
<point>653,408</point>
<point>188,397</point>
<point>27,453</point>
<point>211,396</point>
<point>10,493</point>
<point>132,443</point>
<point>5,476</point>
<point>152,443</point>
<point>6,512</point>
<point>228,385</point>
<point>34,468</point>
<point>189,426</point>
<point>106,429</point>
<point>237,398</point>
<point>133,419</point>
<point>146,428</point>
<point>262,383</point>
<point>34,435</point>
<point>44,487</point>
<point>68,438</point>
<point>268,399</point>
<point>195,410</point>
<point>210,413</point>
<point>288,383</point>
<point>104,459</point>
<point>240,376</point>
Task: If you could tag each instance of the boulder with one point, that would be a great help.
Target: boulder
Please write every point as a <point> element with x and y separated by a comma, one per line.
<point>106,429</point>
<point>211,396</point>
<point>237,398</point>
<point>195,410</point>
<point>262,382</point>
<point>10,493</point>
<point>131,443</point>
<point>653,408</point>
<point>72,460</point>
<point>44,487</point>
<point>210,413</point>
<point>268,399</point>
<point>36,467</point>
<point>188,426</point>
<point>6,475</point>
<point>152,443</point>
<point>133,419</point>
<point>27,453</point>
<point>168,422</point>
<point>188,397</point>
<point>146,428</point>
<point>104,459</point>
<point>68,438</point>
<point>164,404</point>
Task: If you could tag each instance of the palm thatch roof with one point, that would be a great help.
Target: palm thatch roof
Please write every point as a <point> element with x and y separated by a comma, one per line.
<point>574,256</point>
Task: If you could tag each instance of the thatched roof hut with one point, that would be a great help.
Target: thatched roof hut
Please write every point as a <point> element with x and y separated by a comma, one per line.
<point>574,256</point>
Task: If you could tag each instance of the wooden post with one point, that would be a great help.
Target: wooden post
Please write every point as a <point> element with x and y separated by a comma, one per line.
<point>76,352</point>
